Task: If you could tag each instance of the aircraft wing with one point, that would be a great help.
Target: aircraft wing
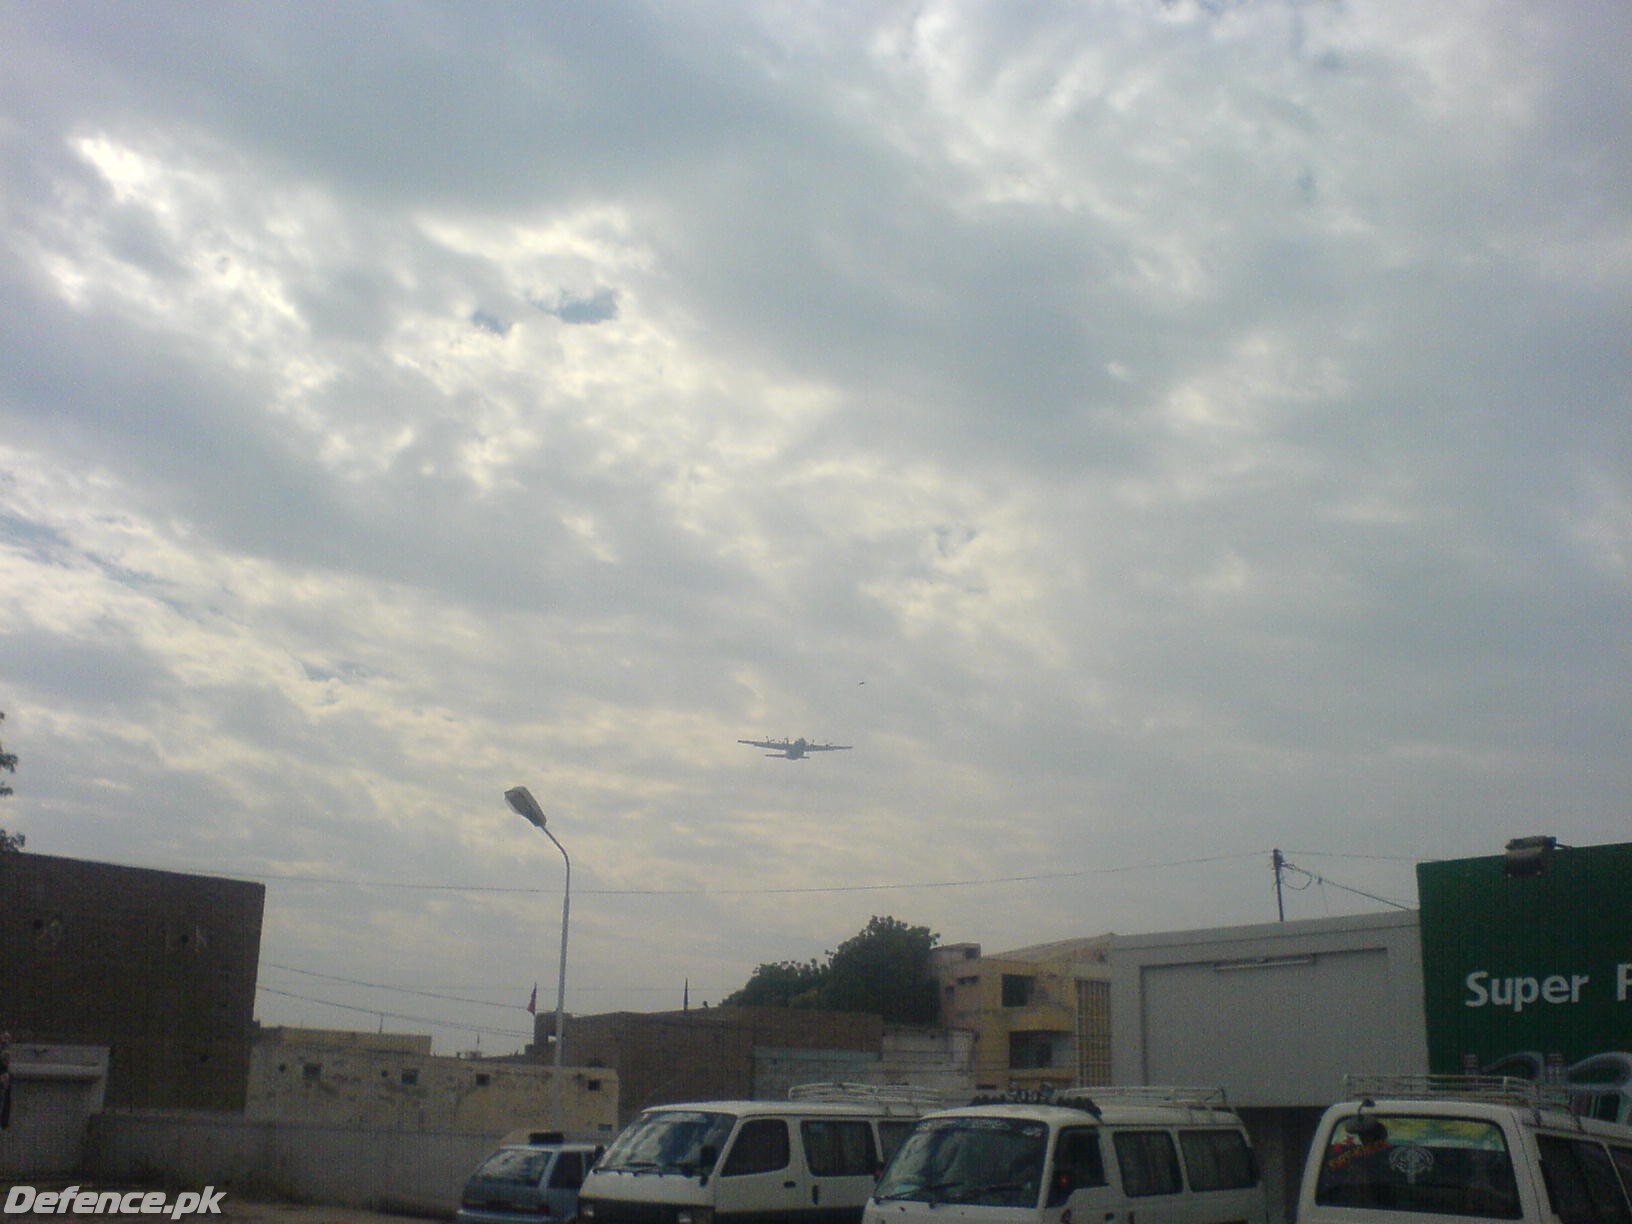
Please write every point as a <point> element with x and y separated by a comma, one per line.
<point>827,747</point>
<point>764,743</point>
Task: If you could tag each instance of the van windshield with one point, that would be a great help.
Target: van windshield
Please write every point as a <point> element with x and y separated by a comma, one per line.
<point>524,1166</point>
<point>990,1162</point>
<point>1409,1162</point>
<point>669,1141</point>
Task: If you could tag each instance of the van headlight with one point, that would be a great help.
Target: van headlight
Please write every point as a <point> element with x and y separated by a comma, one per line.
<point>694,1215</point>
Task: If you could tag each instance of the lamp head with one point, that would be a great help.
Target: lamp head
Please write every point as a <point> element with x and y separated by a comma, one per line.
<point>1528,857</point>
<point>521,801</point>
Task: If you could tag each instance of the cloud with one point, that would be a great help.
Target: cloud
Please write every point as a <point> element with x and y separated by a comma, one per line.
<point>1200,425</point>
<point>601,306</point>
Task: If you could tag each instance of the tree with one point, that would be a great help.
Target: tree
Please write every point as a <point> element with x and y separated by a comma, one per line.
<point>883,970</point>
<point>9,842</point>
<point>781,984</point>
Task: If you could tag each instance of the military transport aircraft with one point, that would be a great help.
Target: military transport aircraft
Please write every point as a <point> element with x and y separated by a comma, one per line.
<point>794,750</point>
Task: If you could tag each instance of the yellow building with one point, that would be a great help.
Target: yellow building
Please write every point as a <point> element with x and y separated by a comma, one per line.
<point>1041,1015</point>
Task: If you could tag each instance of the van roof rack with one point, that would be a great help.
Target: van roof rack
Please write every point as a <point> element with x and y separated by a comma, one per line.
<point>1092,1097</point>
<point>907,1096</point>
<point>1496,1089</point>
<point>1190,1097</point>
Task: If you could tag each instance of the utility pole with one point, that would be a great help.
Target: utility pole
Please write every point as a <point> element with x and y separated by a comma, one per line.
<point>1277,860</point>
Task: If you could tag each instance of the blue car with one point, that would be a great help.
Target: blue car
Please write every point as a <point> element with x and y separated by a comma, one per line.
<point>528,1183</point>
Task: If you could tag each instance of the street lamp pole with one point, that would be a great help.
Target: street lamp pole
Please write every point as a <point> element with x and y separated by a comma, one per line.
<point>523,804</point>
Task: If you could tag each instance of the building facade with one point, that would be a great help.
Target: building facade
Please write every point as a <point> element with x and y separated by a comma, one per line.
<point>393,1081</point>
<point>1040,1016</point>
<point>157,966</point>
<point>724,1053</point>
<point>1276,1014</point>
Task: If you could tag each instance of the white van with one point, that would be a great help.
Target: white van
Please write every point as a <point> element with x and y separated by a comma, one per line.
<point>810,1158</point>
<point>1087,1156</point>
<point>1419,1149</point>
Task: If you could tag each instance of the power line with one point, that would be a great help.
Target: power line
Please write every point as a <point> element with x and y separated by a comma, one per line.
<point>387,1015</point>
<point>423,994</point>
<point>736,892</point>
<point>1318,879</point>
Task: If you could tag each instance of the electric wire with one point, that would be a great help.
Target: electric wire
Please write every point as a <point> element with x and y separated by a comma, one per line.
<point>1310,878</point>
<point>534,890</point>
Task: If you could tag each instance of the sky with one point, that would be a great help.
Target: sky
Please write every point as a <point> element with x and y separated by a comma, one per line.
<point>1149,433</point>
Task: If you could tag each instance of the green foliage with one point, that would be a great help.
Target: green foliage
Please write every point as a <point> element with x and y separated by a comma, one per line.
<point>883,969</point>
<point>782,984</point>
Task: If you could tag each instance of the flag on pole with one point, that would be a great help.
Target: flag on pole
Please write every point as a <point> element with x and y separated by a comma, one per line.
<point>532,1003</point>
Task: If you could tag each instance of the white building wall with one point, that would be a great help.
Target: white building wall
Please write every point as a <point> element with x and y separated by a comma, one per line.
<point>1277,1013</point>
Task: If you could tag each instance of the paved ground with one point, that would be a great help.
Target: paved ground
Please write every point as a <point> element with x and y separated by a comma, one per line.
<point>283,1213</point>
<point>239,1211</point>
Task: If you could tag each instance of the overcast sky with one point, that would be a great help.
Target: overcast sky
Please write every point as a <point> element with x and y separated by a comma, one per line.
<point>1151,433</point>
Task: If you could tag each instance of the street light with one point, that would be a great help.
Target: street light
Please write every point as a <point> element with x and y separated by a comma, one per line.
<point>524,805</point>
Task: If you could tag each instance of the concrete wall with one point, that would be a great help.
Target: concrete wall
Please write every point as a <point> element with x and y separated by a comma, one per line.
<point>373,1167</point>
<point>55,1090</point>
<point>713,1053</point>
<point>359,1086</point>
<point>938,1058</point>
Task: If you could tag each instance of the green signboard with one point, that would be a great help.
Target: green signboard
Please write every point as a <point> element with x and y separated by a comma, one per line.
<point>1530,974</point>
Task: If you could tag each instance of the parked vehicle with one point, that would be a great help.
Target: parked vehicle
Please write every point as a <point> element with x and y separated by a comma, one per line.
<point>1082,1156</point>
<point>528,1183</point>
<point>810,1158</point>
<point>1405,1148</point>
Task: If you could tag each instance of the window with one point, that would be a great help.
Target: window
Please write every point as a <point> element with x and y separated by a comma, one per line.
<point>1149,1163</point>
<point>1622,1157</point>
<point>1218,1159</point>
<point>519,1165</point>
<point>568,1173</point>
<point>973,1161</point>
<point>839,1148</point>
<point>1413,1162</point>
<point>1581,1182</point>
<point>410,1077</point>
<point>890,1134</point>
<point>1077,1163</point>
<point>670,1139</point>
<point>761,1147</point>
<point>1035,1050</point>
<point>1018,989</point>
<point>311,1071</point>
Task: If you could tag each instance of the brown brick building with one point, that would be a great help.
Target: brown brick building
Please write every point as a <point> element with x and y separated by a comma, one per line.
<point>157,966</point>
<point>719,1053</point>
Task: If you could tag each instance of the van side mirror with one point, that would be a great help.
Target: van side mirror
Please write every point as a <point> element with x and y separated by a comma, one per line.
<point>707,1157</point>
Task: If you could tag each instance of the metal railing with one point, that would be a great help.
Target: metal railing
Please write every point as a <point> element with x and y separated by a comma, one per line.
<point>907,1097</point>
